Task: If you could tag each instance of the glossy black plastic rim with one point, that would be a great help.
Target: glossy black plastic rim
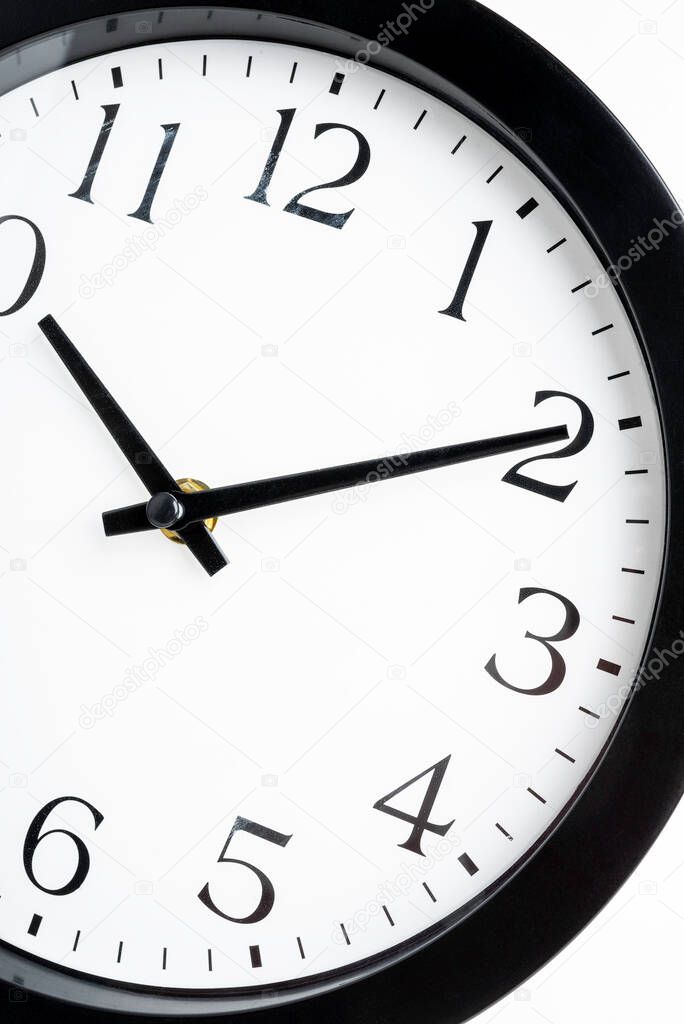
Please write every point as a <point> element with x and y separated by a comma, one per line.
<point>519,92</point>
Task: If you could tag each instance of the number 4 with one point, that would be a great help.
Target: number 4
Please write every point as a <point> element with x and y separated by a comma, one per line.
<point>421,822</point>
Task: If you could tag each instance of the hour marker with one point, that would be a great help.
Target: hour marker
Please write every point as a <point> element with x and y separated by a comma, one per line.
<point>592,714</point>
<point>112,24</point>
<point>346,937</point>
<point>536,795</point>
<point>204,66</point>
<point>635,472</point>
<point>388,916</point>
<point>635,572</point>
<point>579,287</point>
<point>301,948</point>
<point>255,956</point>
<point>617,376</point>
<point>557,245</point>
<point>496,174</point>
<point>337,83</point>
<point>161,68</point>
<point>379,99</point>
<point>429,891</point>
<point>73,86</point>
<point>76,942</point>
<point>293,73</point>
<point>210,960</point>
<point>35,108</point>
<point>503,832</point>
<point>120,953</point>
<point>36,922</point>
<point>529,207</point>
<point>638,522</point>
<point>621,618</point>
<point>631,423</point>
<point>165,957</point>
<point>117,78</point>
<point>420,121</point>
<point>249,67</point>
<point>608,666</point>
<point>468,863</point>
<point>458,145</point>
<point>566,756</point>
<point>602,330</point>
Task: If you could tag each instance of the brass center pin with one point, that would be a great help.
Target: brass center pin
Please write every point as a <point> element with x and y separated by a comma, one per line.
<point>188,485</point>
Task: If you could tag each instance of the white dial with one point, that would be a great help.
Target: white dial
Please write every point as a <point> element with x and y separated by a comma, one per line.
<point>386,700</point>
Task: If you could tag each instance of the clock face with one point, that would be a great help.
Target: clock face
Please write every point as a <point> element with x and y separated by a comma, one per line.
<point>278,260</point>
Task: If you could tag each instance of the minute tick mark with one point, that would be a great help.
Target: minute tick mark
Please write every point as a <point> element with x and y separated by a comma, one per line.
<point>469,864</point>
<point>631,423</point>
<point>337,83</point>
<point>527,208</point>
<point>609,666</point>
<point>388,916</point>
<point>429,891</point>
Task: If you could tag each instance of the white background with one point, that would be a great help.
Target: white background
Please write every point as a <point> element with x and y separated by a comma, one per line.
<point>627,965</point>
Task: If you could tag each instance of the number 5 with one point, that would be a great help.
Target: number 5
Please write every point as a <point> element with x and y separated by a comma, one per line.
<point>267,891</point>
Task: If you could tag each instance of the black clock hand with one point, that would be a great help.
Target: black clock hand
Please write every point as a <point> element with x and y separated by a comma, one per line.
<point>130,441</point>
<point>174,511</point>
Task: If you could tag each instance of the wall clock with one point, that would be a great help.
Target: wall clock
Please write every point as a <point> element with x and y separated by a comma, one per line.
<point>366,726</point>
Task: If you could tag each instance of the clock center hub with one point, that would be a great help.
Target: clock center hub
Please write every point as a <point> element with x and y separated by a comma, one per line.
<point>165,510</point>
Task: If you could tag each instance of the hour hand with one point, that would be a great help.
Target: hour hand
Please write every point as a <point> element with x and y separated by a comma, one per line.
<point>164,511</point>
<point>149,468</point>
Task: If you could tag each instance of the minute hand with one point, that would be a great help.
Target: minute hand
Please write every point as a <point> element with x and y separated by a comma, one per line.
<point>222,501</point>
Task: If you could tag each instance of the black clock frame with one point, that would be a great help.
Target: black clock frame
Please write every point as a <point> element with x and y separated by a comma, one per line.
<point>470,57</point>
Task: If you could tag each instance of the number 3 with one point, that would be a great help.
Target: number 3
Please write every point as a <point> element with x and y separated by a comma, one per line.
<point>558,667</point>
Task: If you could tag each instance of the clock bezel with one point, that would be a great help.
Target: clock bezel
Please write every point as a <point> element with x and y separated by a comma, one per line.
<point>549,113</point>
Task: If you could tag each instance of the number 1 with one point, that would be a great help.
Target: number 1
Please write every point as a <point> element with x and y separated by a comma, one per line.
<point>482,229</point>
